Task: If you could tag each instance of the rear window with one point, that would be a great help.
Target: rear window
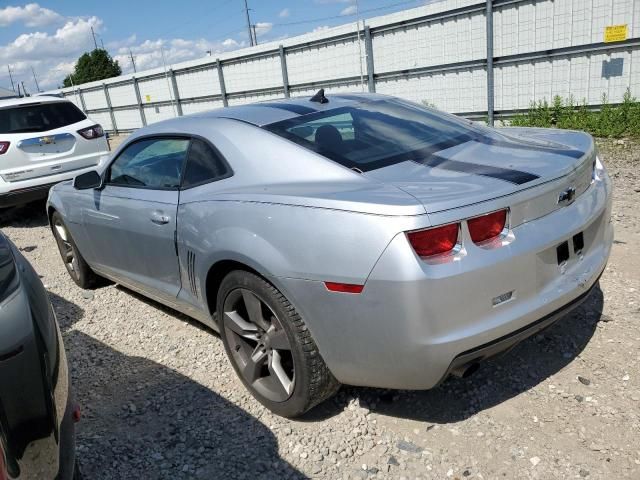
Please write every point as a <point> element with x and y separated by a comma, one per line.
<point>375,134</point>
<point>39,117</point>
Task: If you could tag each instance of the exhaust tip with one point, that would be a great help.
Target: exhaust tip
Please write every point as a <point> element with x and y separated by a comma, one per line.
<point>465,371</point>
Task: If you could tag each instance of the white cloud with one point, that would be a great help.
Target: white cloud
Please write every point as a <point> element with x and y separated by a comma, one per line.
<point>350,10</point>
<point>126,42</point>
<point>53,55</point>
<point>321,28</point>
<point>284,13</point>
<point>263,28</point>
<point>148,54</point>
<point>31,15</point>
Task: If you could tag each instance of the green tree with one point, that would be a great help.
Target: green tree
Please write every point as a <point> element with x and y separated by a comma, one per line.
<point>96,65</point>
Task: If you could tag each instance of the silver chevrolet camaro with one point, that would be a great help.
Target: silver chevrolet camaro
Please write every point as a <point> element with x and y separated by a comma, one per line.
<point>358,239</point>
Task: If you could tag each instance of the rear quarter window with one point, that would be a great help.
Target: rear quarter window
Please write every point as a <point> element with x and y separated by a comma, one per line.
<point>39,117</point>
<point>204,165</point>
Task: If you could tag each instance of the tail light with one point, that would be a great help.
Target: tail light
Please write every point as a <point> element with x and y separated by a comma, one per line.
<point>434,241</point>
<point>343,287</point>
<point>3,467</point>
<point>487,226</point>
<point>90,133</point>
<point>4,146</point>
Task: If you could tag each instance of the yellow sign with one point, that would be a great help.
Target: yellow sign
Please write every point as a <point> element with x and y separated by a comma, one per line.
<point>148,97</point>
<point>615,33</point>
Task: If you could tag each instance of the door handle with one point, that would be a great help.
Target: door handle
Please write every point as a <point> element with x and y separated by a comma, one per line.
<point>159,218</point>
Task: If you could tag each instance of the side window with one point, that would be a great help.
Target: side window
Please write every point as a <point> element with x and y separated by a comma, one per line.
<point>153,163</point>
<point>203,165</point>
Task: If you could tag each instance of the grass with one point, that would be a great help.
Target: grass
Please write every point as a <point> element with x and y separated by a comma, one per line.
<point>613,121</point>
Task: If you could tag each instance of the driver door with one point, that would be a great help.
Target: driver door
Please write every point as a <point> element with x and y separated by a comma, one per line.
<point>131,224</point>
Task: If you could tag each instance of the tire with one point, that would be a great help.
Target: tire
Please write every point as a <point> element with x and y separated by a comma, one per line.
<point>288,375</point>
<point>77,473</point>
<point>79,271</point>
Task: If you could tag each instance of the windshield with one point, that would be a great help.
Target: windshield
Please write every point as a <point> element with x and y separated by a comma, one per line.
<point>375,134</point>
<point>39,117</point>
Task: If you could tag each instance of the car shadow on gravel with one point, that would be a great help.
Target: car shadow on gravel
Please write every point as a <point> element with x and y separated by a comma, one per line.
<point>25,216</point>
<point>144,420</point>
<point>499,379</point>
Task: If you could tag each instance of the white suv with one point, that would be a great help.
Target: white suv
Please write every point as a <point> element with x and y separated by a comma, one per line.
<point>44,140</point>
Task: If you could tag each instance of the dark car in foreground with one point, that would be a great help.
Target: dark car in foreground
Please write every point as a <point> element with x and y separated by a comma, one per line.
<point>37,412</point>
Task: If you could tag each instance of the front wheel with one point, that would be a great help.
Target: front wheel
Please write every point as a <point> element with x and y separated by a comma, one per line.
<point>270,347</point>
<point>74,262</point>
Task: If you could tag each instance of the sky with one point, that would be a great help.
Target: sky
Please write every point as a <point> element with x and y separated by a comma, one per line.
<point>49,36</point>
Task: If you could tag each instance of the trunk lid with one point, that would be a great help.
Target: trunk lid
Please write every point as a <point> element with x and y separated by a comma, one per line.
<point>499,164</point>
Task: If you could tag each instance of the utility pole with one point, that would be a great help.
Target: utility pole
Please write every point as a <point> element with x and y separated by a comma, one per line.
<point>246,11</point>
<point>24,90</point>
<point>94,38</point>
<point>13,87</point>
<point>255,35</point>
<point>133,62</point>
<point>35,79</point>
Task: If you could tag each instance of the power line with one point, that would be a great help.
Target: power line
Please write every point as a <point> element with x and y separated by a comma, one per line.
<point>333,17</point>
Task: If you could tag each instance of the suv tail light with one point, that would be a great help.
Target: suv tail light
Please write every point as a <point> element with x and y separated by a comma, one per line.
<point>4,146</point>
<point>487,226</point>
<point>90,133</point>
<point>434,241</point>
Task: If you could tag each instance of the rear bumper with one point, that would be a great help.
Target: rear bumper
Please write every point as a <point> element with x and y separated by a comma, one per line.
<point>415,322</point>
<point>21,191</point>
<point>25,195</point>
<point>507,342</point>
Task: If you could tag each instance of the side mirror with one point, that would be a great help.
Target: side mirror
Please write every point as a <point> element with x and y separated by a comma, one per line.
<point>87,180</point>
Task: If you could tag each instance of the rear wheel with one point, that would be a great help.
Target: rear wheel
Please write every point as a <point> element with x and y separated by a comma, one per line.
<point>270,347</point>
<point>75,264</point>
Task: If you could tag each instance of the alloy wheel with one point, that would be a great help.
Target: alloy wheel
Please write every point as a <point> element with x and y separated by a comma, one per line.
<point>66,249</point>
<point>259,345</point>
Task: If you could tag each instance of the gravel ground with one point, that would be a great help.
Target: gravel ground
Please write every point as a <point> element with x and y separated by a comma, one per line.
<point>160,399</point>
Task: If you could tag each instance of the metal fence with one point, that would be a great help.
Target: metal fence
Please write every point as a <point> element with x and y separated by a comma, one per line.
<point>473,58</point>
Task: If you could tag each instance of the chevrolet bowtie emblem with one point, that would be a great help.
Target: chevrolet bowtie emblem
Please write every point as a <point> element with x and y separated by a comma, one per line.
<point>567,197</point>
<point>47,140</point>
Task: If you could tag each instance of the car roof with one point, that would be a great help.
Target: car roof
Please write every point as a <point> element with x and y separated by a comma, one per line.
<point>272,111</point>
<point>12,102</point>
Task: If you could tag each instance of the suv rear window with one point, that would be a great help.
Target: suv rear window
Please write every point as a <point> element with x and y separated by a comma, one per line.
<point>39,117</point>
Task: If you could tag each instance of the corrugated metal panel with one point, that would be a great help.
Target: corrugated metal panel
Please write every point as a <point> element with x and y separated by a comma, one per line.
<point>128,119</point>
<point>94,99</point>
<point>156,113</point>
<point>198,83</point>
<point>261,72</point>
<point>254,98</point>
<point>201,106</point>
<point>155,90</point>
<point>103,118</point>
<point>122,95</point>
<point>325,62</point>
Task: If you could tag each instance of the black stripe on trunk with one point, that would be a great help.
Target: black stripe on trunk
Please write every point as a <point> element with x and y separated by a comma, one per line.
<point>508,175</point>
